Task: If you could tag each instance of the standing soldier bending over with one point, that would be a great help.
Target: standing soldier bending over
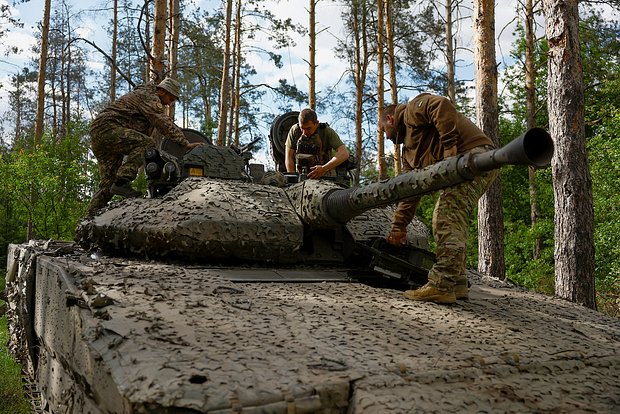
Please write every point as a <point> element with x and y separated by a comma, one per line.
<point>309,145</point>
<point>122,129</point>
<point>432,130</point>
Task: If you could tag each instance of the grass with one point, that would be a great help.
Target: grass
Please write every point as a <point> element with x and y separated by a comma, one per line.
<point>12,397</point>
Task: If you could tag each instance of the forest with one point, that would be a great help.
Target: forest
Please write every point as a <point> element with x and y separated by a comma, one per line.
<point>554,230</point>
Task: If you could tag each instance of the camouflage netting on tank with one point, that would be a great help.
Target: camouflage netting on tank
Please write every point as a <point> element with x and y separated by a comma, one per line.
<point>200,218</point>
<point>134,336</point>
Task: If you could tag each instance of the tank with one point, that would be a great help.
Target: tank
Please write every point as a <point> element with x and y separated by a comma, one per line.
<point>233,290</point>
<point>209,205</point>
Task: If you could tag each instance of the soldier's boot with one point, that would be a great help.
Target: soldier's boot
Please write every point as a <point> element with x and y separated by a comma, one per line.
<point>124,190</point>
<point>431,293</point>
<point>461,290</point>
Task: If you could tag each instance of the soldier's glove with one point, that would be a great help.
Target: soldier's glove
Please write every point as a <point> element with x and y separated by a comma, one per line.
<point>397,238</point>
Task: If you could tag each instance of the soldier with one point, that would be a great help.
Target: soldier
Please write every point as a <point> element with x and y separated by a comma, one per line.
<point>123,129</point>
<point>432,130</point>
<point>313,142</point>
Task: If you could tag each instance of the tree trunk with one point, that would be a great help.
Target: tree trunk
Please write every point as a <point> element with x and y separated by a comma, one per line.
<point>380,91</point>
<point>490,214</point>
<point>66,83</point>
<point>574,213</point>
<point>206,104</point>
<point>173,45</point>
<point>159,35</point>
<point>225,88</point>
<point>312,56</point>
<point>233,84</point>
<point>237,73</point>
<point>359,68</point>
<point>145,71</point>
<point>530,91</point>
<point>51,76</point>
<point>231,93</point>
<point>113,63</point>
<point>389,40</point>
<point>17,105</point>
<point>450,61</point>
<point>45,29</point>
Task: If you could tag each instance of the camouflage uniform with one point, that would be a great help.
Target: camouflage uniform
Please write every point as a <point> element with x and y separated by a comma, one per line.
<point>324,140</point>
<point>123,129</point>
<point>427,125</point>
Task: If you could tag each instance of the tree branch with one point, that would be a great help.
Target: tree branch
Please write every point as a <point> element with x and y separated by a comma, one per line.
<point>112,63</point>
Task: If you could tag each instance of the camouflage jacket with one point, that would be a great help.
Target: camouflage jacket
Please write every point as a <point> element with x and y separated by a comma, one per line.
<point>428,124</point>
<point>141,110</point>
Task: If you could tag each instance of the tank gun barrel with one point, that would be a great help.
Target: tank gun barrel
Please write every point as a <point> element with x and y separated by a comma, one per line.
<point>534,147</point>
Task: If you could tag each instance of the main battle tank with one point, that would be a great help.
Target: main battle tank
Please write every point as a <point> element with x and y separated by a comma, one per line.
<point>142,329</point>
<point>211,205</point>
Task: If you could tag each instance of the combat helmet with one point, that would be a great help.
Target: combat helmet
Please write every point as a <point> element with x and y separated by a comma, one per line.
<point>171,86</point>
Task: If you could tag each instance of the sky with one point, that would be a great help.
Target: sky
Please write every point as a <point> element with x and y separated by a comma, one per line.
<point>329,25</point>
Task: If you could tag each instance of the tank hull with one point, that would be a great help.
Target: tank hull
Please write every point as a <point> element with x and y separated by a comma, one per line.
<point>135,336</point>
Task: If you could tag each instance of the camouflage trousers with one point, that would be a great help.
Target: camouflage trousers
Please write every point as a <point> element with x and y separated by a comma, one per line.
<point>451,227</point>
<point>112,144</point>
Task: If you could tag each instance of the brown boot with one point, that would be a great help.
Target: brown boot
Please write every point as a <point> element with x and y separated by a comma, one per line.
<point>430,293</point>
<point>461,291</point>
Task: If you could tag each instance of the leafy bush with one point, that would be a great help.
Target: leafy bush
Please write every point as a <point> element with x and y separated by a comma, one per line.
<point>46,188</point>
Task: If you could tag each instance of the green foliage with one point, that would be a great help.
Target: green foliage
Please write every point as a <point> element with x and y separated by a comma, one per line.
<point>12,398</point>
<point>46,188</point>
<point>604,152</point>
<point>521,268</point>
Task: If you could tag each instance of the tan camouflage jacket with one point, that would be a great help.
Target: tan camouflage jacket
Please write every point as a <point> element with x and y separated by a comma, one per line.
<point>427,125</point>
<point>142,111</point>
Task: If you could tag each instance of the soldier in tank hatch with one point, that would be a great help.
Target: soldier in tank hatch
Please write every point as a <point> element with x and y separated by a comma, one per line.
<point>309,146</point>
<point>431,130</point>
<point>123,129</point>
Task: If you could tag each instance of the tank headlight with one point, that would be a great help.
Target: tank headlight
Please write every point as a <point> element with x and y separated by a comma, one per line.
<point>152,170</point>
<point>170,170</point>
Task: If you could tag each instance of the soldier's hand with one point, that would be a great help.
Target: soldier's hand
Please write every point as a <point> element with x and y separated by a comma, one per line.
<point>193,145</point>
<point>317,172</point>
<point>397,238</point>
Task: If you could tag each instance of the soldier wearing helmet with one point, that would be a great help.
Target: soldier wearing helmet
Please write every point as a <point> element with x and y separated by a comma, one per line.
<point>121,133</point>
